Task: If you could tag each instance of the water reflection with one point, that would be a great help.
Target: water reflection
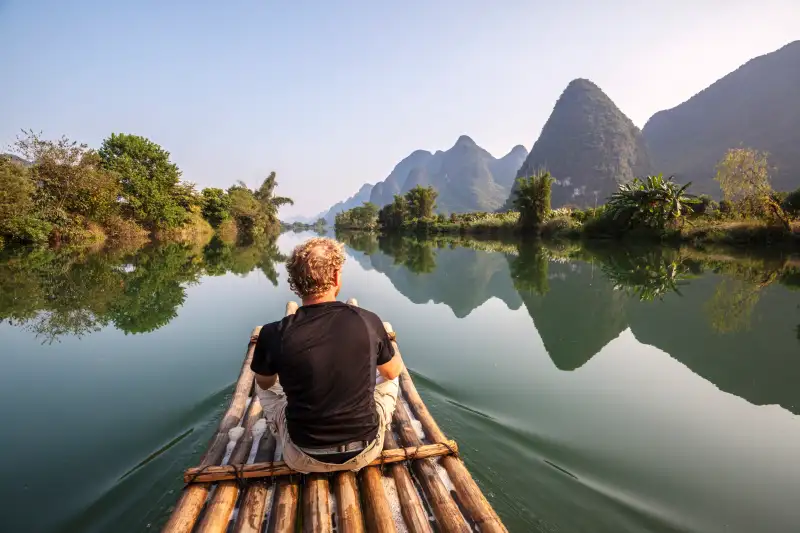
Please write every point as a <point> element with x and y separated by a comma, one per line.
<point>727,317</point>
<point>60,293</point>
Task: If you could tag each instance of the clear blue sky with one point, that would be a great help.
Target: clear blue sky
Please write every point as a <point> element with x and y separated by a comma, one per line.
<point>332,94</point>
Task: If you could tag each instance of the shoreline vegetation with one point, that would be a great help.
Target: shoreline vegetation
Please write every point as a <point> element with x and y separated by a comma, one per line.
<point>653,208</point>
<point>128,193</point>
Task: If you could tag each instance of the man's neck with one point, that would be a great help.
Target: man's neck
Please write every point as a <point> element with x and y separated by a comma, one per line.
<point>319,299</point>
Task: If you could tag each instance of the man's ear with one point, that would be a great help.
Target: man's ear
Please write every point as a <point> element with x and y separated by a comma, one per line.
<point>337,278</point>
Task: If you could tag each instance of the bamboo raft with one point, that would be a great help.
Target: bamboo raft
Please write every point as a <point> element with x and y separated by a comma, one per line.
<point>418,485</point>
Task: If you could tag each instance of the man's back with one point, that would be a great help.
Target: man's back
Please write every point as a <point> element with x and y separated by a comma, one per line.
<point>326,356</point>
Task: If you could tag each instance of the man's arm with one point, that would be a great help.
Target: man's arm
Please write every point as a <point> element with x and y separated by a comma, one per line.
<point>263,363</point>
<point>393,368</point>
<point>390,365</point>
<point>265,382</point>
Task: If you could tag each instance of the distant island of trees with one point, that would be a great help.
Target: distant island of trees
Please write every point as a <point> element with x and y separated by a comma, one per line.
<point>59,191</point>
<point>652,207</point>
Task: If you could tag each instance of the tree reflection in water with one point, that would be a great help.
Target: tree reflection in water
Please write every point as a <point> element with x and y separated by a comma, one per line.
<point>57,293</point>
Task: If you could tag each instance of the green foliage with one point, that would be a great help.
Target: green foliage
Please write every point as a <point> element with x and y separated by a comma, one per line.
<point>649,203</point>
<point>703,204</point>
<point>256,212</point>
<point>216,206</point>
<point>149,180</point>
<point>270,203</point>
<point>532,199</point>
<point>726,207</point>
<point>363,217</point>
<point>16,204</point>
<point>421,201</point>
<point>791,203</point>
<point>392,216</point>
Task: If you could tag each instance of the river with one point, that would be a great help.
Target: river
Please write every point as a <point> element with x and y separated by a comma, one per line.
<point>592,389</point>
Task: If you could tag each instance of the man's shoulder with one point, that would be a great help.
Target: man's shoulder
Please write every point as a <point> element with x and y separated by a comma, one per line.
<point>369,317</point>
<point>272,328</point>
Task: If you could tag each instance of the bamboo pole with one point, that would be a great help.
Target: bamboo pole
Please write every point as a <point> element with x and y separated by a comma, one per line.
<point>349,518</point>
<point>254,502</point>
<point>219,509</point>
<point>377,514</point>
<point>283,515</point>
<point>414,514</point>
<point>316,504</point>
<point>187,510</point>
<point>448,516</point>
<point>470,496</point>
<point>280,468</point>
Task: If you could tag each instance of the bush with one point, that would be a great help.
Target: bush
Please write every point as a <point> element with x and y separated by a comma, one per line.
<point>726,207</point>
<point>123,229</point>
<point>703,204</point>
<point>652,202</point>
<point>791,203</point>
<point>29,230</point>
<point>561,226</point>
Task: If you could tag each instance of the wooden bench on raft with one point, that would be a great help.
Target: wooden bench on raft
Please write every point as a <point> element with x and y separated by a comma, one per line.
<point>267,490</point>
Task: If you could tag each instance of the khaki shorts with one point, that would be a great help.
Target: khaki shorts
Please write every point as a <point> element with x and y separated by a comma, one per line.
<point>273,402</point>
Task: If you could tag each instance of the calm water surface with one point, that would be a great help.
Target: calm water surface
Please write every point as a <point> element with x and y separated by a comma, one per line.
<point>589,390</point>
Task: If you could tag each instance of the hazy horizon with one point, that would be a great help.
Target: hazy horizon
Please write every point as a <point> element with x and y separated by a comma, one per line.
<point>333,96</point>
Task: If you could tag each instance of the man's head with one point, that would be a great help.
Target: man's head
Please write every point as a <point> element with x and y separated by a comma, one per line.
<point>315,269</point>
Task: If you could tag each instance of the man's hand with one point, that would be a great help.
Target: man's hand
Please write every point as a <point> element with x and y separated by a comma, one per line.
<point>265,382</point>
<point>393,368</point>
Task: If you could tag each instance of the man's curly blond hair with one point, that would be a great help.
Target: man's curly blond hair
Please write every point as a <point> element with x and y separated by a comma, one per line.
<point>312,266</point>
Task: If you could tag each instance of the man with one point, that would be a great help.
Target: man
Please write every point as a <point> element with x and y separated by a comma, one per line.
<point>327,410</point>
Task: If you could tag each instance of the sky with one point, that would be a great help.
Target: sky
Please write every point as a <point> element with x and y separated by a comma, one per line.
<point>331,95</point>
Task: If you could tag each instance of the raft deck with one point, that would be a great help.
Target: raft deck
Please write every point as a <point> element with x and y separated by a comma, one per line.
<point>419,485</point>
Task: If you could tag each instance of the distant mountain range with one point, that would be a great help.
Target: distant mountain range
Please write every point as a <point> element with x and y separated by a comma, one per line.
<point>590,146</point>
<point>467,177</point>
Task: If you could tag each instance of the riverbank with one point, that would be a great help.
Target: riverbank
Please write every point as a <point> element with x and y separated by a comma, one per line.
<point>698,231</point>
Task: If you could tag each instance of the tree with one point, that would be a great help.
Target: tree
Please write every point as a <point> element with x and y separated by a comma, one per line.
<point>361,217</point>
<point>392,215</point>
<point>421,201</point>
<point>70,180</point>
<point>256,212</point>
<point>246,211</point>
<point>791,204</point>
<point>216,206</point>
<point>266,197</point>
<point>743,176</point>
<point>532,199</point>
<point>16,202</point>
<point>149,179</point>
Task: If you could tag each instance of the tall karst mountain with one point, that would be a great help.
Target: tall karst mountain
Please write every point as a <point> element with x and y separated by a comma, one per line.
<point>588,145</point>
<point>757,105</point>
<point>354,201</point>
<point>467,177</point>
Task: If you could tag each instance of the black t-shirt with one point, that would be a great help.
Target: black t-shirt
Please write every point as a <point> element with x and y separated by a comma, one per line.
<point>325,357</point>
